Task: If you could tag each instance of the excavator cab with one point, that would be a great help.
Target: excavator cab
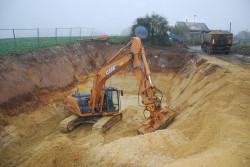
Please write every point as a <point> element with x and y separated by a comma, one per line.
<point>111,100</point>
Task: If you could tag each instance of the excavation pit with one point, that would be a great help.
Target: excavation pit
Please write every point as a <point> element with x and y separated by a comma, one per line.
<point>210,96</point>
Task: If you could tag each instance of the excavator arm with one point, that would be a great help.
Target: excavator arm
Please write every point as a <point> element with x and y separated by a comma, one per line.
<point>136,59</point>
<point>105,73</point>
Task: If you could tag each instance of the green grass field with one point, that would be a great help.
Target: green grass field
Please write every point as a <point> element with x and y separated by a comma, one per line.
<point>7,46</point>
<point>120,39</point>
<point>239,46</point>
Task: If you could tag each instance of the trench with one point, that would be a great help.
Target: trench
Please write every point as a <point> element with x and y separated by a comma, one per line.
<point>211,128</point>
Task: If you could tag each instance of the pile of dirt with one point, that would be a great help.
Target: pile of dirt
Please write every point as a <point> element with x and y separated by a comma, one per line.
<point>60,152</point>
<point>172,59</point>
<point>212,128</point>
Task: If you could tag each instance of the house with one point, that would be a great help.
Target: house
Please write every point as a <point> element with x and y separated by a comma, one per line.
<point>194,32</point>
<point>243,36</point>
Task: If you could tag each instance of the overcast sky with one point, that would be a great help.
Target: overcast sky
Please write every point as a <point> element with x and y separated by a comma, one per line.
<point>113,16</point>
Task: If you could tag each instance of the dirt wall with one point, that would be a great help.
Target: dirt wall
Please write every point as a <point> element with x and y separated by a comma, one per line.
<point>52,68</point>
<point>23,78</point>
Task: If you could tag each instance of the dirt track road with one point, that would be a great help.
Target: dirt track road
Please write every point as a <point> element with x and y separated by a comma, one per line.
<point>232,57</point>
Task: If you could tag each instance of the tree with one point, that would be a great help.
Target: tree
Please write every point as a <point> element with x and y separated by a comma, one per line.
<point>157,27</point>
<point>179,30</point>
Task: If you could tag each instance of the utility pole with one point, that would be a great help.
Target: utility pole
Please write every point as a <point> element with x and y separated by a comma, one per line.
<point>70,34</point>
<point>38,40</point>
<point>56,35</point>
<point>194,18</point>
<point>14,39</point>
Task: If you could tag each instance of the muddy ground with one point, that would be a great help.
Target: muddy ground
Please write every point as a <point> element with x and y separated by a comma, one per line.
<point>211,98</point>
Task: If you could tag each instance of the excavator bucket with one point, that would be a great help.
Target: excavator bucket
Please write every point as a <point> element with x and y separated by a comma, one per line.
<point>159,121</point>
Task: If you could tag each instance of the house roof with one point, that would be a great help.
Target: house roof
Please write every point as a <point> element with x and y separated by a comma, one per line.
<point>194,26</point>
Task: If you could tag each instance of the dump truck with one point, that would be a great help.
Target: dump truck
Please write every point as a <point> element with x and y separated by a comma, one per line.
<point>216,42</point>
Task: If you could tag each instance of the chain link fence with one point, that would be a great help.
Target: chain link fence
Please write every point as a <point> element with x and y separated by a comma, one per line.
<point>23,40</point>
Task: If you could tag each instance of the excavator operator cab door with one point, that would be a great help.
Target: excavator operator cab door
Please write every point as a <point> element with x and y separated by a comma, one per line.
<point>111,100</point>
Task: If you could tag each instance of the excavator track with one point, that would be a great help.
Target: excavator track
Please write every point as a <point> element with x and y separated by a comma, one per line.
<point>106,122</point>
<point>67,124</point>
<point>102,124</point>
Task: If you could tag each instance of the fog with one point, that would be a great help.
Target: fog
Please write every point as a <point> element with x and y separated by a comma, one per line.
<point>116,16</point>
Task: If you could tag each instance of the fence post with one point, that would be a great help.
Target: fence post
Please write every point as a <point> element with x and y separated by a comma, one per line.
<point>80,32</point>
<point>70,33</point>
<point>14,40</point>
<point>38,40</point>
<point>56,35</point>
<point>92,32</point>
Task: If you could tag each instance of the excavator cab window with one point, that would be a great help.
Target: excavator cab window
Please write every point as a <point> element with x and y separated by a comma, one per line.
<point>112,99</point>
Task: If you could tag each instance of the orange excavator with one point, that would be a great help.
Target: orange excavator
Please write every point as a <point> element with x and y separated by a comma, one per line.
<point>102,105</point>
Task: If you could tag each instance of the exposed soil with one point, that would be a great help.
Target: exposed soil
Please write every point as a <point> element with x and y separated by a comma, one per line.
<point>211,97</point>
<point>50,69</point>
